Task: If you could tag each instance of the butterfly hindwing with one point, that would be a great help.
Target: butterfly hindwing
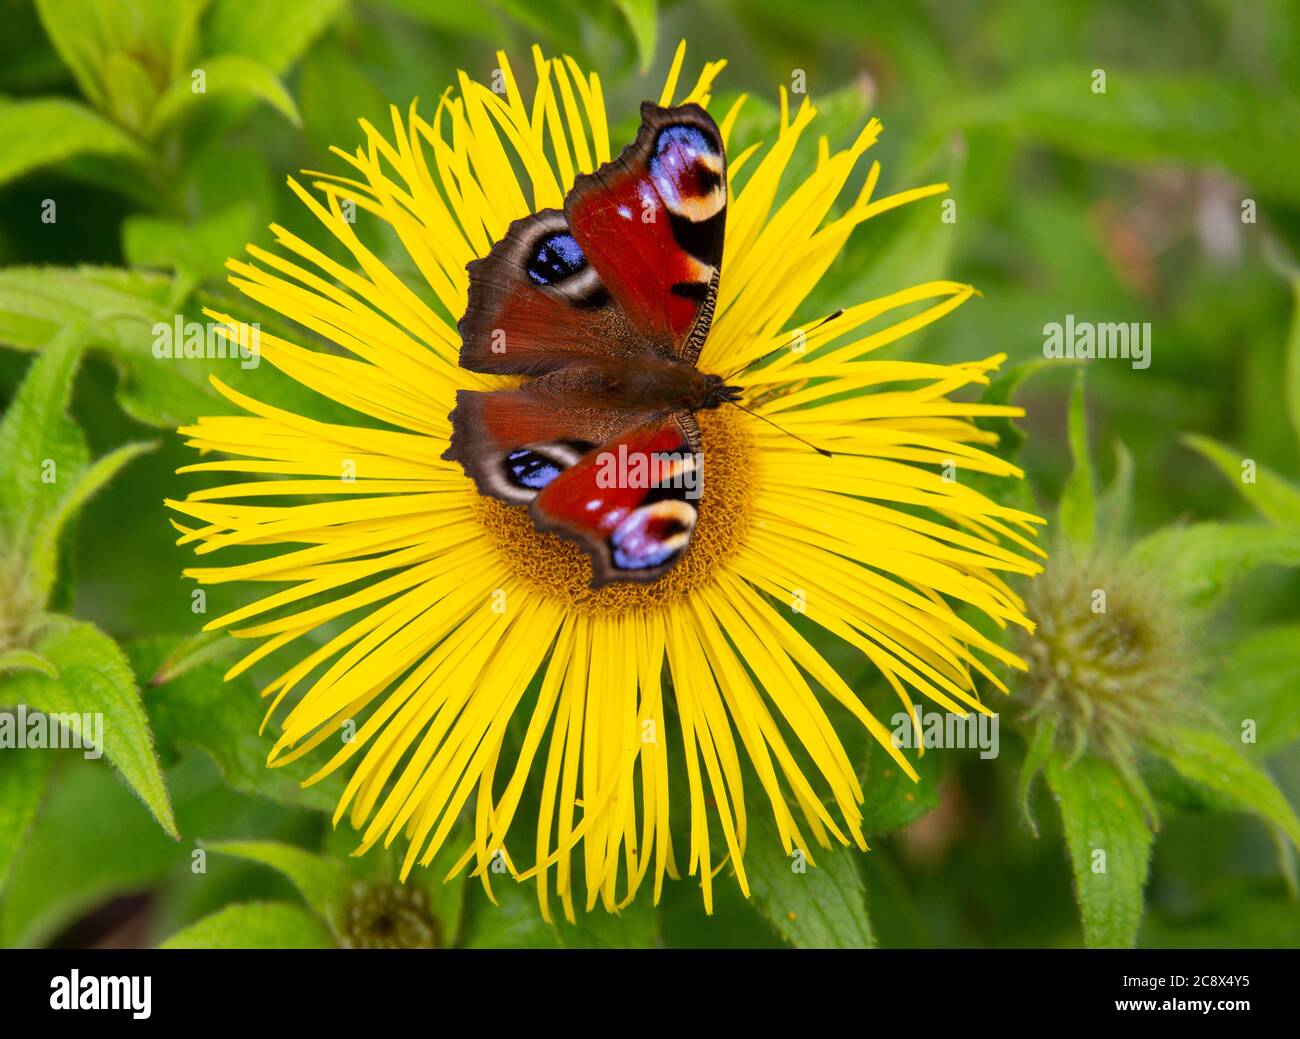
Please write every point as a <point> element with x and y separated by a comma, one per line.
<point>511,444</point>
<point>632,503</point>
<point>629,268</point>
<point>623,485</point>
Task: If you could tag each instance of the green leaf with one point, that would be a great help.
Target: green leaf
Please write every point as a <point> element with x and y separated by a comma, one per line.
<point>23,776</point>
<point>1206,758</point>
<point>94,39</point>
<point>94,677</point>
<point>254,925</point>
<point>325,884</point>
<point>276,35</point>
<point>890,799</point>
<point>39,445</point>
<point>1202,562</point>
<point>1000,390</point>
<point>515,922</point>
<point>92,840</point>
<point>181,657</point>
<point>811,907</point>
<point>200,249</point>
<point>1078,508</point>
<point>632,927</point>
<point>224,74</point>
<point>1145,117</point>
<point>18,659</point>
<point>1115,503</point>
<point>124,312</point>
<point>1109,844</point>
<point>119,308</point>
<point>84,485</point>
<point>45,131</point>
<point>1292,372</point>
<point>642,18</point>
<point>131,91</point>
<point>1039,750</point>
<point>191,706</point>
<point>1257,683</point>
<point>1270,493</point>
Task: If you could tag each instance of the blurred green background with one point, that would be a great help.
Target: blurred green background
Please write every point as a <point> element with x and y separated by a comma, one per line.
<point>1123,206</point>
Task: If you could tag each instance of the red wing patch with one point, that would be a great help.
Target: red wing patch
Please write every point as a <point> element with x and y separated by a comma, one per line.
<point>632,503</point>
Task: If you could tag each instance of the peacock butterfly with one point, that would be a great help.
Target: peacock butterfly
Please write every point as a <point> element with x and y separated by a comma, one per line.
<point>603,308</point>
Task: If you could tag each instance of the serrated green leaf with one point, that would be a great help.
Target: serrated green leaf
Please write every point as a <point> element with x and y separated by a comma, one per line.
<point>325,884</point>
<point>223,75</point>
<point>811,907</point>
<point>1274,497</point>
<point>254,925</point>
<point>642,17</point>
<point>1207,758</point>
<point>1199,564</point>
<point>1109,844</point>
<point>1257,684</point>
<point>196,708</point>
<point>19,659</point>
<point>94,677</point>
<point>23,775</point>
<point>46,131</point>
<point>1078,508</point>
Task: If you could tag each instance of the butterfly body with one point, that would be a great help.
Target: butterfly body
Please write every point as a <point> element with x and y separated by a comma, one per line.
<point>602,309</point>
<point>653,384</point>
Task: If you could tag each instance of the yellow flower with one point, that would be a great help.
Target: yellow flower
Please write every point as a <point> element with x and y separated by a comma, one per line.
<point>447,614</point>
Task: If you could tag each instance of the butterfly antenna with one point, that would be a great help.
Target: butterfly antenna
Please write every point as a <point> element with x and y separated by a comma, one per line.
<point>796,436</point>
<point>781,348</point>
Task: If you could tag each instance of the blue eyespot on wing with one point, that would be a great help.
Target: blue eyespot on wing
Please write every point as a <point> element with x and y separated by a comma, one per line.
<point>555,258</point>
